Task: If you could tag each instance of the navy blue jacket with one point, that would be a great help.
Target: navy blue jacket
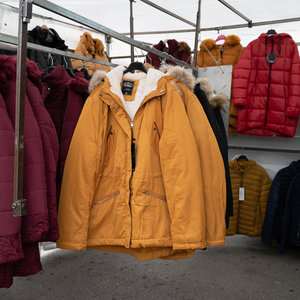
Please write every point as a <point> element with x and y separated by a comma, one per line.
<point>272,228</point>
<point>291,218</point>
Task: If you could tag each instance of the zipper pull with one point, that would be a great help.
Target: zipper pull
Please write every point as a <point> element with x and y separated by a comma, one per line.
<point>145,192</point>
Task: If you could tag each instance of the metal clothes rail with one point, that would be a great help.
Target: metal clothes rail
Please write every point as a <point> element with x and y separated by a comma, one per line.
<point>13,40</point>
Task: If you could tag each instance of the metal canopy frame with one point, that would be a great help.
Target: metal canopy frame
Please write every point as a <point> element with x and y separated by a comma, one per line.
<point>91,24</point>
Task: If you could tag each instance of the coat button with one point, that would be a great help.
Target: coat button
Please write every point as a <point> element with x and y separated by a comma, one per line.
<point>109,101</point>
<point>161,90</point>
<point>112,108</point>
<point>100,95</point>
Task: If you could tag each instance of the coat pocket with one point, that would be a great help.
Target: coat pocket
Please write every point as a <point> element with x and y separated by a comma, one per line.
<point>111,140</point>
<point>104,199</point>
<point>154,135</point>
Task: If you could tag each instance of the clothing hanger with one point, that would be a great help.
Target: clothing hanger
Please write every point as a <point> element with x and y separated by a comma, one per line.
<point>242,157</point>
<point>69,70</point>
<point>46,28</point>
<point>50,68</point>
<point>271,32</point>
<point>220,37</point>
<point>136,66</point>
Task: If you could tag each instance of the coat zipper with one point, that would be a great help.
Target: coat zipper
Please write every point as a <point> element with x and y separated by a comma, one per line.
<point>104,199</point>
<point>147,193</point>
<point>268,88</point>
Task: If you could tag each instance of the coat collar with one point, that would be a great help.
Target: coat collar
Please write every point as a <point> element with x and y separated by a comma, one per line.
<point>242,166</point>
<point>148,86</point>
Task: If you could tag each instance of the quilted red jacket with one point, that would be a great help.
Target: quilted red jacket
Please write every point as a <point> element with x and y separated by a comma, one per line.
<point>267,95</point>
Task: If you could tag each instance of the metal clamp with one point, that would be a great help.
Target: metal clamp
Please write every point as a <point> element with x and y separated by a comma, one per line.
<point>26,11</point>
<point>19,208</point>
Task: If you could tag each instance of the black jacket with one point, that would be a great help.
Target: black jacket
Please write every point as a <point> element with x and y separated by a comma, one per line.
<point>43,37</point>
<point>222,142</point>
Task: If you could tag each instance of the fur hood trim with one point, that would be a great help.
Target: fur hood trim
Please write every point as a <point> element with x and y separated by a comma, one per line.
<point>216,100</point>
<point>219,101</point>
<point>184,47</point>
<point>179,73</point>
<point>231,40</point>
<point>96,80</point>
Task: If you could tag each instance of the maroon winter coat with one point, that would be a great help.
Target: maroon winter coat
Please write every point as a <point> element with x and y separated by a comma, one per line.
<point>50,148</point>
<point>77,94</point>
<point>35,225</point>
<point>56,98</point>
<point>268,95</point>
<point>10,226</point>
<point>180,50</point>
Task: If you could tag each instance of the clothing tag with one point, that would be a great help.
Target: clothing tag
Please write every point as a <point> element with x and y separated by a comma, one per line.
<point>127,87</point>
<point>241,193</point>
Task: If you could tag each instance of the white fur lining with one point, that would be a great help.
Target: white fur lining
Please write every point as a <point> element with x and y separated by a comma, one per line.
<point>147,84</point>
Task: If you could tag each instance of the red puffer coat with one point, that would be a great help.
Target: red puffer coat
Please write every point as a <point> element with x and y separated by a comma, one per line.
<point>268,94</point>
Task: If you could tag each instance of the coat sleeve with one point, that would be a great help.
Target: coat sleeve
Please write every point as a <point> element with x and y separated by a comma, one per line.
<point>264,194</point>
<point>182,176</point>
<point>213,172</point>
<point>241,77</point>
<point>79,179</point>
<point>293,103</point>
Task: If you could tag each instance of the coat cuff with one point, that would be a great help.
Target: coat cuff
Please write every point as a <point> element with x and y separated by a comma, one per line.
<point>292,112</point>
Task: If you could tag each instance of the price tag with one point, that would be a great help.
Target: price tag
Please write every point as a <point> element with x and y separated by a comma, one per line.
<point>241,193</point>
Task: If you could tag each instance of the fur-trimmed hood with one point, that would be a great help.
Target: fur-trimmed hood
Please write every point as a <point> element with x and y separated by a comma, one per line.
<point>96,80</point>
<point>179,73</point>
<point>230,40</point>
<point>216,100</point>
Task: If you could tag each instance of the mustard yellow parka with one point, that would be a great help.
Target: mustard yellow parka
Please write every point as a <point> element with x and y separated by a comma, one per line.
<point>157,210</point>
<point>92,48</point>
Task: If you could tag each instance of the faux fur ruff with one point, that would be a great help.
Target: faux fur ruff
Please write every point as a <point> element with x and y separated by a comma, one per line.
<point>219,101</point>
<point>184,47</point>
<point>210,43</point>
<point>215,100</point>
<point>181,74</point>
<point>97,79</point>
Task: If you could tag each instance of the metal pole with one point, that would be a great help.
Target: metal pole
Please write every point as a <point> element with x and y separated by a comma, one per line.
<point>197,37</point>
<point>19,204</point>
<point>236,12</point>
<point>108,42</point>
<point>131,31</point>
<point>168,12</point>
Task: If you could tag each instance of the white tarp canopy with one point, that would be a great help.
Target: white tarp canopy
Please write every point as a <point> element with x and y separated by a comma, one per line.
<point>115,15</point>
